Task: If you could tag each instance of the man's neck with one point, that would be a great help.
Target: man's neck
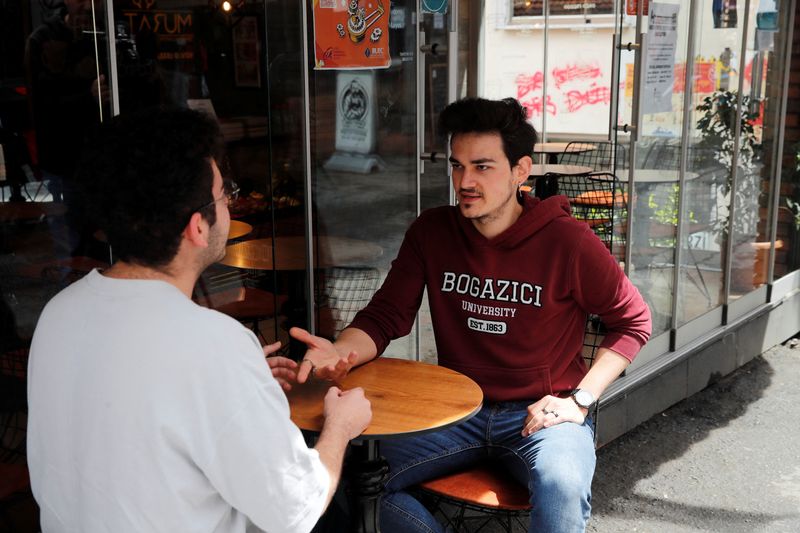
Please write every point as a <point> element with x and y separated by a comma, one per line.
<point>492,227</point>
<point>123,270</point>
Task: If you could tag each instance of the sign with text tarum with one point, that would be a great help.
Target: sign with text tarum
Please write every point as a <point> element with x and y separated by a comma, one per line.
<point>351,34</point>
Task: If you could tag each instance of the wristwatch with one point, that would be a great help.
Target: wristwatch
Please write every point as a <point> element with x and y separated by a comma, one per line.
<point>583,398</point>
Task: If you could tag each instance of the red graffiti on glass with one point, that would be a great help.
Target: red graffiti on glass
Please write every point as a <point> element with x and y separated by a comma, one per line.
<point>596,95</point>
<point>535,108</point>
<point>575,72</point>
<point>526,83</point>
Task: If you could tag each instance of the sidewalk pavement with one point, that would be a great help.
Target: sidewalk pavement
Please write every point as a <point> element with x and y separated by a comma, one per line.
<point>725,460</point>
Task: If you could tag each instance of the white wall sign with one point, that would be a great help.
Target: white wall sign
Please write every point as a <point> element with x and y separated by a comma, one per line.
<point>659,75</point>
<point>355,112</point>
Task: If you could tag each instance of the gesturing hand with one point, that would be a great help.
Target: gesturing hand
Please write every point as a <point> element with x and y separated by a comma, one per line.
<point>284,370</point>
<point>321,358</point>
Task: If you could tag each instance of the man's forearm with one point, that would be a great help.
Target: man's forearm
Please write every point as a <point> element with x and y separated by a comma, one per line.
<point>331,446</point>
<point>356,340</point>
<point>607,367</point>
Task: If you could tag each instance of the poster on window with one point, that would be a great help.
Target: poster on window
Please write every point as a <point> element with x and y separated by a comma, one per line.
<point>659,72</point>
<point>632,7</point>
<point>351,34</point>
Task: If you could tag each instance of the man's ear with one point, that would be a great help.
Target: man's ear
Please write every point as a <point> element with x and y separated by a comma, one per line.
<point>196,231</point>
<point>522,170</point>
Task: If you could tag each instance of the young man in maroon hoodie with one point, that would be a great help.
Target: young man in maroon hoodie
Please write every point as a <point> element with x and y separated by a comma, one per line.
<point>511,280</point>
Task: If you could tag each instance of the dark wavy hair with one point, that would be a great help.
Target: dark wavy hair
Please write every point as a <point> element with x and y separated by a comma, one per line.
<point>143,174</point>
<point>505,117</point>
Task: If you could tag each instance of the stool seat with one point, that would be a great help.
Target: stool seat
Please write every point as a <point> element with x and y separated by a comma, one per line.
<point>485,485</point>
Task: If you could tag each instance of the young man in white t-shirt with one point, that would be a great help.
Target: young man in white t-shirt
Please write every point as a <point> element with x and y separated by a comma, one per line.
<point>147,411</point>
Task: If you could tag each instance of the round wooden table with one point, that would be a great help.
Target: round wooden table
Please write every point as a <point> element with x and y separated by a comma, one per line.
<point>238,229</point>
<point>408,398</point>
<point>553,149</point>
<point>541,169</point>
<point>289,253</point>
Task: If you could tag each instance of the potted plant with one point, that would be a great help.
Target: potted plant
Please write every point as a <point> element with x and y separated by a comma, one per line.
<point>716,152</point>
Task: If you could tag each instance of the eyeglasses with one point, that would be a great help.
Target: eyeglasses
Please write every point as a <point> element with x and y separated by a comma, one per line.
<point>230,192</point>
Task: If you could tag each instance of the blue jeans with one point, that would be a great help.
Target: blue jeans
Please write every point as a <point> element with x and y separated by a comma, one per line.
<point>556,464</point>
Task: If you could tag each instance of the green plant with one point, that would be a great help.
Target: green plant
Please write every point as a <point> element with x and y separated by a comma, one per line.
<point>794,207</point>
<point>716,148</point>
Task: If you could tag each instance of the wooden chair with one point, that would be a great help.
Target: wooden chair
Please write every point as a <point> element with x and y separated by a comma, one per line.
<point>485,495</point>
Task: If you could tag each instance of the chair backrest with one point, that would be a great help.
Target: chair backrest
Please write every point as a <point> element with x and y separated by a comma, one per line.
<point>341,293</point>
<point>597,155</point>
<point>663,155</point>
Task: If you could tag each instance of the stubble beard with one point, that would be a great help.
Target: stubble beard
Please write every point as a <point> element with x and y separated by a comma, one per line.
<point>494,214</point>
<point>216,247</point>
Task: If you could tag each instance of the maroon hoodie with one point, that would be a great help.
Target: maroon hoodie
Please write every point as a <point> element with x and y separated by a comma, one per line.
<point>510,311</point>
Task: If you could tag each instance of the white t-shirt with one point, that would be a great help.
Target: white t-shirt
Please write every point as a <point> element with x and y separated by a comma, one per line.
<point>150,413</point>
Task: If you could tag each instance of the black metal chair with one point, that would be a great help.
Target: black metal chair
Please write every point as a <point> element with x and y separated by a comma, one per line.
<point>485,496</point>
<point>342,292</point>
<point>597,155</point>
<point>598,199</point>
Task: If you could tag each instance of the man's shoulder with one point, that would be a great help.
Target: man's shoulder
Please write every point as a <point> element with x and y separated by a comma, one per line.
<point>435,217</point>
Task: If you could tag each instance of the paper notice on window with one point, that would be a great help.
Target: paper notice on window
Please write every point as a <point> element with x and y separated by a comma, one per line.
<point>659,71</point>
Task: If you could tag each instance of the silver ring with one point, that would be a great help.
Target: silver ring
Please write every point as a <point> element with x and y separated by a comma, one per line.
<point>555,413</point>
<point>545,412</point>
<point>313,366</point>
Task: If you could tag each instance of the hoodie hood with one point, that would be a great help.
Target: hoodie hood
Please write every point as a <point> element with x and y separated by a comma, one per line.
<point>536,214</point>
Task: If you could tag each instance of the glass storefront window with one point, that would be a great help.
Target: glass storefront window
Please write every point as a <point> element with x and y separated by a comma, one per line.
<point>54,88</point>
<point>656,190</point>
<point>363,172</point>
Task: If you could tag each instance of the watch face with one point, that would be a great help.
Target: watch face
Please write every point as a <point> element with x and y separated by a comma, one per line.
<point>584,398</point>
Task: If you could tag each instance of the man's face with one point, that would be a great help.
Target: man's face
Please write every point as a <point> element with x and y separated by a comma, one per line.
<point>484,182</point>
<point>218,233</point>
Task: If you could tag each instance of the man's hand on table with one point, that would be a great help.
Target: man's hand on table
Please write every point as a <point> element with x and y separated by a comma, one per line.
<point>549,411</point>
<point>348,411</point>
<point>322,358</point>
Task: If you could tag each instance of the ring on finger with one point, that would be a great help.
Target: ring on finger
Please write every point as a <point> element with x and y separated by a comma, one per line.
<point>313,366</point>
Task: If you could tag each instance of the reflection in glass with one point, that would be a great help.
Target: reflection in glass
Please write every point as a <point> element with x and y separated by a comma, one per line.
<point>363,138</point>
<point>53,91</point>
<point>655,197</point>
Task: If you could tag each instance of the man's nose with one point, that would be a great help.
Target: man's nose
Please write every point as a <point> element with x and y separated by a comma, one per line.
<point>468,178</point>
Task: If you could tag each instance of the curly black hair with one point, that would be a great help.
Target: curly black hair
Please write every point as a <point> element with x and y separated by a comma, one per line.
<point>505,117</point>
<point>143,174</point>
